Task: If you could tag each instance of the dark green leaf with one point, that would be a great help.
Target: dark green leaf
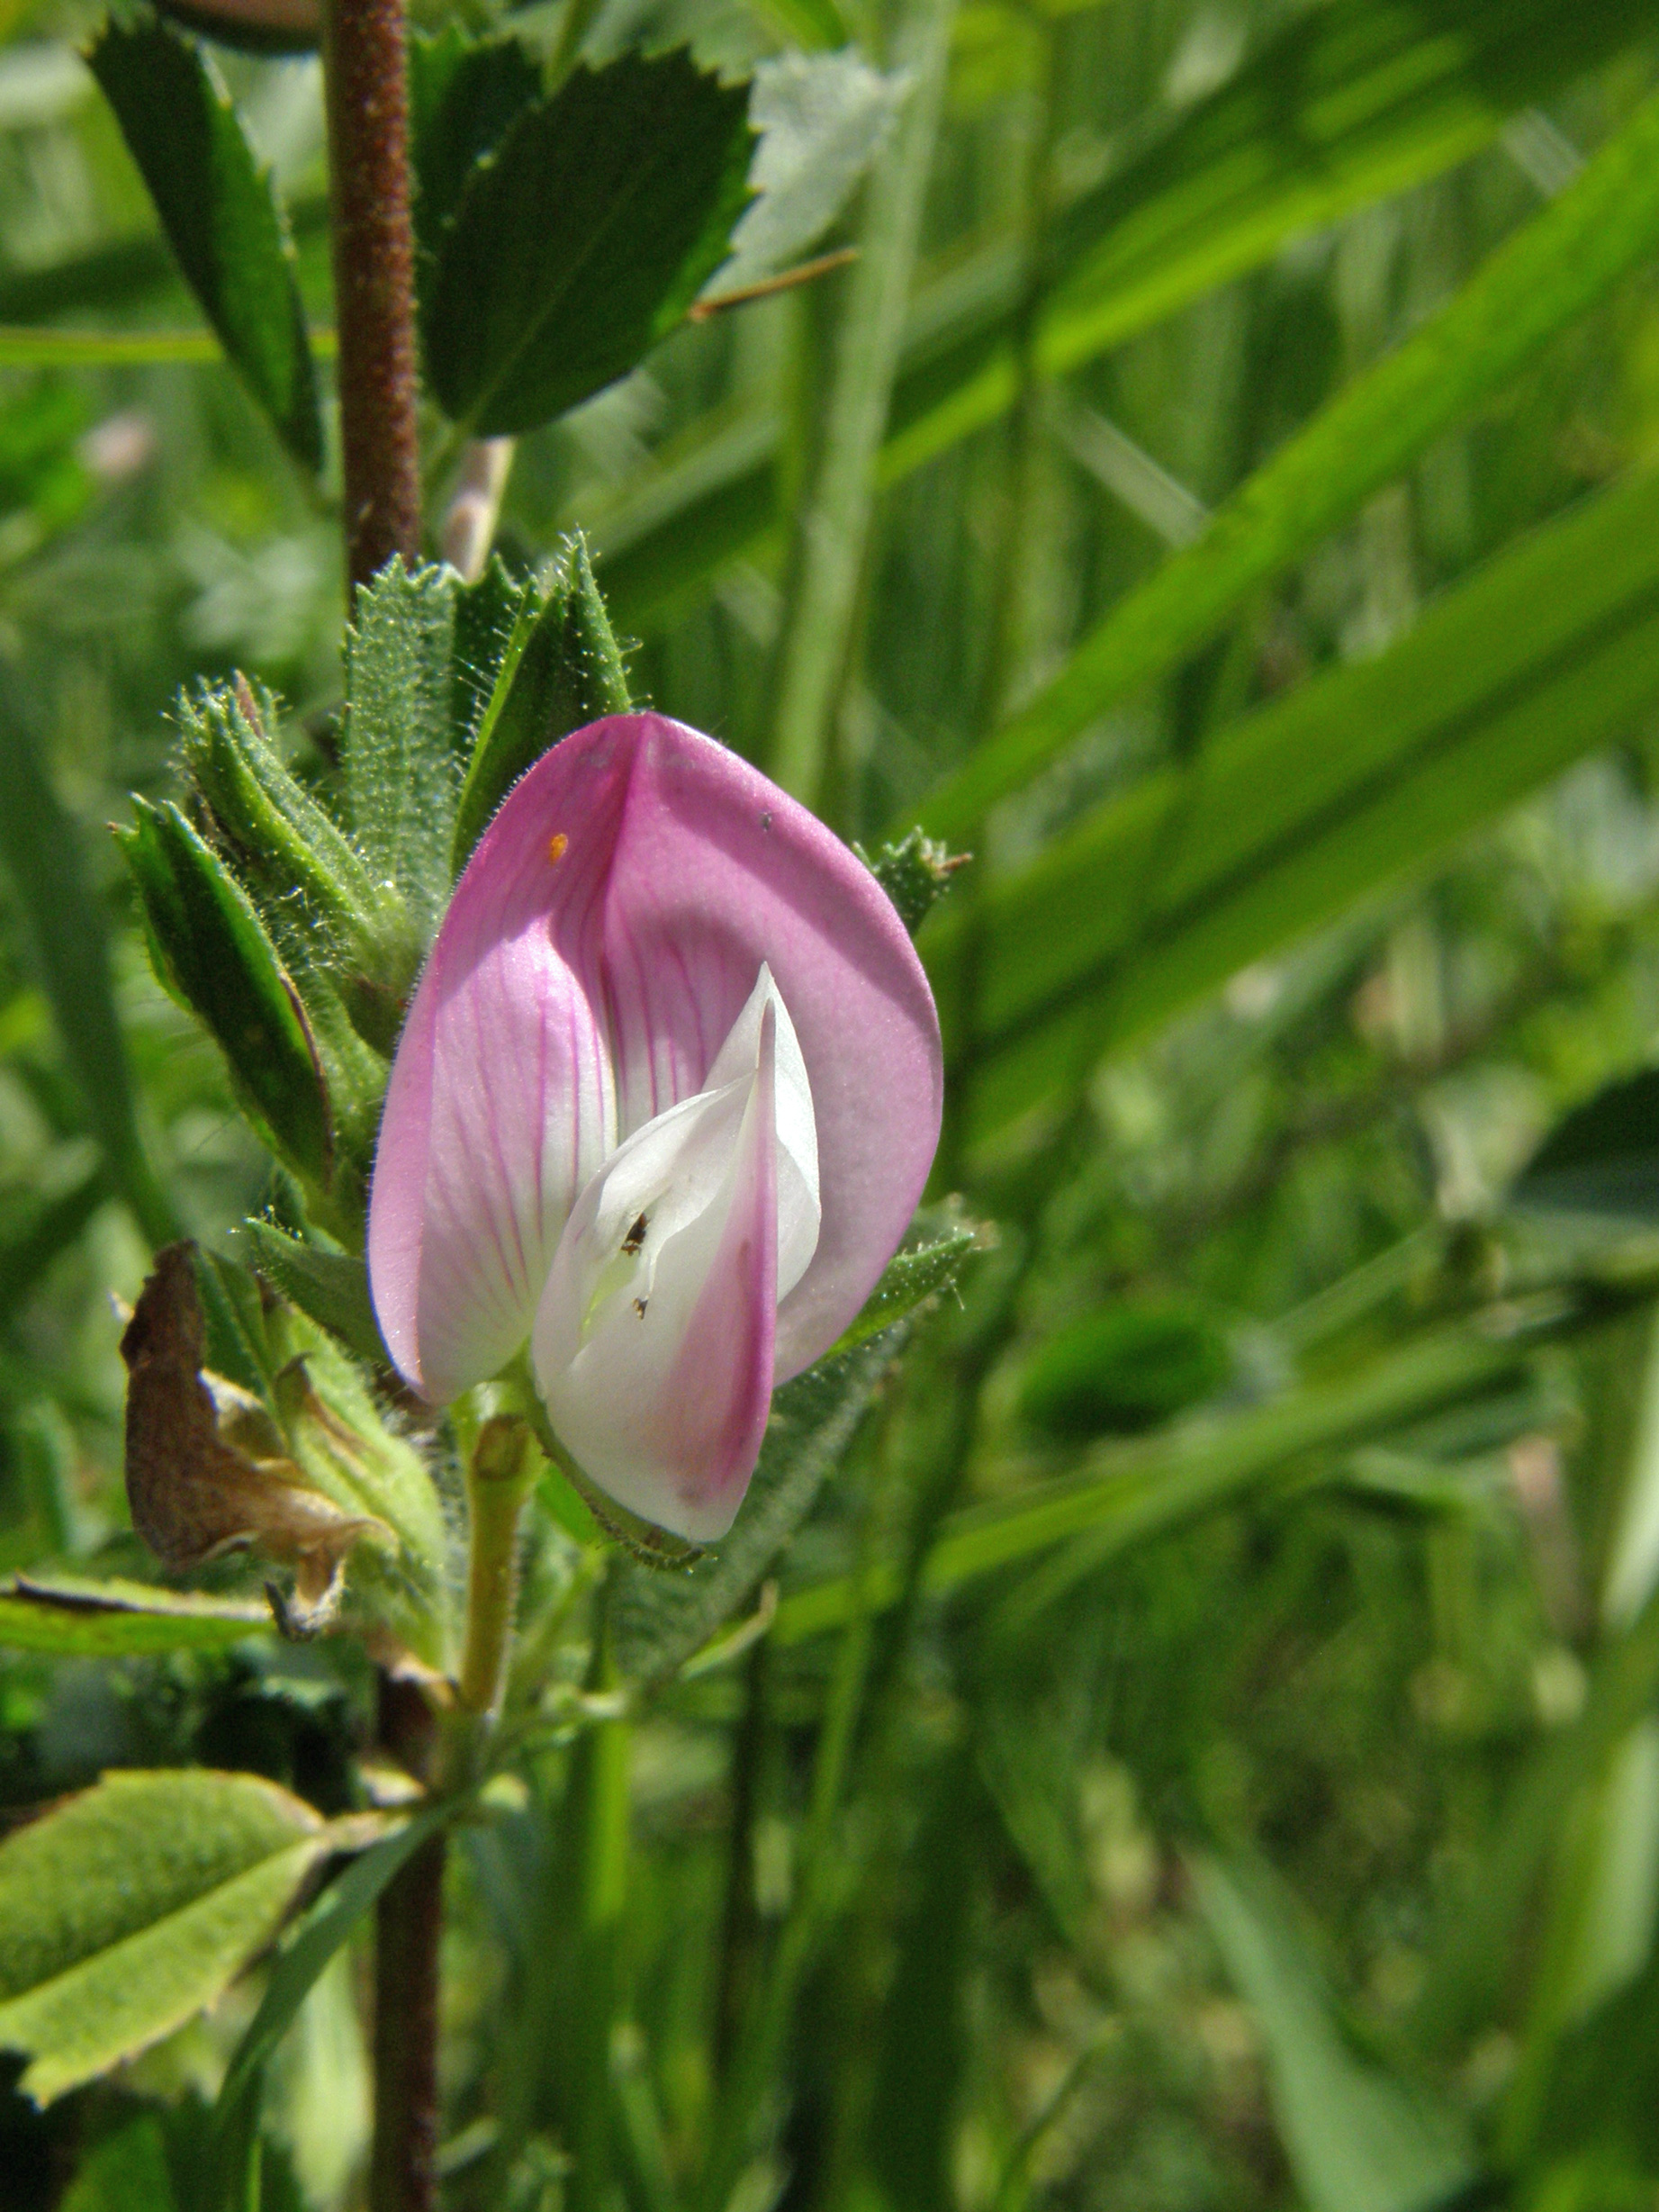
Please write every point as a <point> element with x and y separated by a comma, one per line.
<point>220,213</point>
<point>133,1906</point>
<point>1604,1157</point>
<point>305,1951</point>
<point>583,242</point>
<point>125,2171</point>
<point>567,672</point>
<point>1123,1369</point>
<point>464,97</point>
<point>210,949</point>
<point>107,1620</point>
<point>332,1287</point>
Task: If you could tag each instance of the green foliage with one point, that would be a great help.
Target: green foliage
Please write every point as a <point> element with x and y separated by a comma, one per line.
<point>1604,1157</point>
<point>220,213</point>
<point>133,1906</point>
<point>331,1286</point>
<point>560,671</point>
<point>660,1618</point>
<point>1126,1368</point>
<point>211,951</point>
<point>908,1280</point>
<point>1359,2142</point>
<point>585,239</point>
<point>464,97</point>
<point>74,1617</point>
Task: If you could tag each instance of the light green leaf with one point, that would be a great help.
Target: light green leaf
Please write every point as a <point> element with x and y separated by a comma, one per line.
<point>133,1906</point>
<point>1358,2139</point>
<point>69,1615</point>
<point>605,209</point>
<point>220,213</point>
<point>1551,272</point>
<point>1367,772</point>
<point>822,119</point>
<point>400,773</point>
<point>659,1616</point>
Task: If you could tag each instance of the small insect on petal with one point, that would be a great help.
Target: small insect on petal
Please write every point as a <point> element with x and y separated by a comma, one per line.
<point>558,845</point>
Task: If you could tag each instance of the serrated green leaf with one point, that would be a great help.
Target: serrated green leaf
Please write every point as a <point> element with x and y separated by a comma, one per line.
<point>661,1617</point>
<point>1367,772</point>
<point>220,213</point>
<point>400,760</point>
<point>568,672</point>
<point>606,208</point>
<point>211,951</point>
<point>133,1906</point>
<point>907,1279</point>
<point>1358,2139</point>
<point>73,1617</point>
<point>464,96</point>
<point>822,119</point>
<point>1541,279</point>
<point>1603,1158</point>
<point>332,1287</point>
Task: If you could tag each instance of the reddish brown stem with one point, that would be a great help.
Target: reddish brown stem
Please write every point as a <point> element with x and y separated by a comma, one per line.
<point>408,1930</point>
<point>374,282</point>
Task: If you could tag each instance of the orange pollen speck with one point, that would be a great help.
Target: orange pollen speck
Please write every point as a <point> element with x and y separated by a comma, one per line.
<point>558,845</point>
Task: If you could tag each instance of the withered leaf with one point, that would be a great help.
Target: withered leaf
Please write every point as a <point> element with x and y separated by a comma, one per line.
<point>195,1493</point>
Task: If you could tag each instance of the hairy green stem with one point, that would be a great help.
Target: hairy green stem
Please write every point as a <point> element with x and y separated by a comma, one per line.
<point>501,1468</point>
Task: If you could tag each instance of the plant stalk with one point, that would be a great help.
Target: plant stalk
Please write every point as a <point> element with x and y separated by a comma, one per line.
<point>368,97</point>
<point>409,1927</point>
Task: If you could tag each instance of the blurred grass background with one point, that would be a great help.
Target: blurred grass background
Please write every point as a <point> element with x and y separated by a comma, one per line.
<point>1276,1823</point>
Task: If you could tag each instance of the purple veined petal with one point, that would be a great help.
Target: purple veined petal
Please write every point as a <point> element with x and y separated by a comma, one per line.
<point>501,1105</point>
<point>653,1342</point>
<point>709,871</point>
<point>605,936</point>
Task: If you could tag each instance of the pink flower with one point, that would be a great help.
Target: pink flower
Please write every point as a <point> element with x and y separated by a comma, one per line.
<point>664,1103</point>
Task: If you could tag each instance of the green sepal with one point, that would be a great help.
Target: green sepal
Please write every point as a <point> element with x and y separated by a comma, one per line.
<point>343,1444</point>
<point>915,874</point>
<point>306,877</point>
<point>567,672</point>
<point>331,1286</point>
<point>400,773</point>
<point>908,1280</point>
<point>493,620</point>
<point>211,952</point>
